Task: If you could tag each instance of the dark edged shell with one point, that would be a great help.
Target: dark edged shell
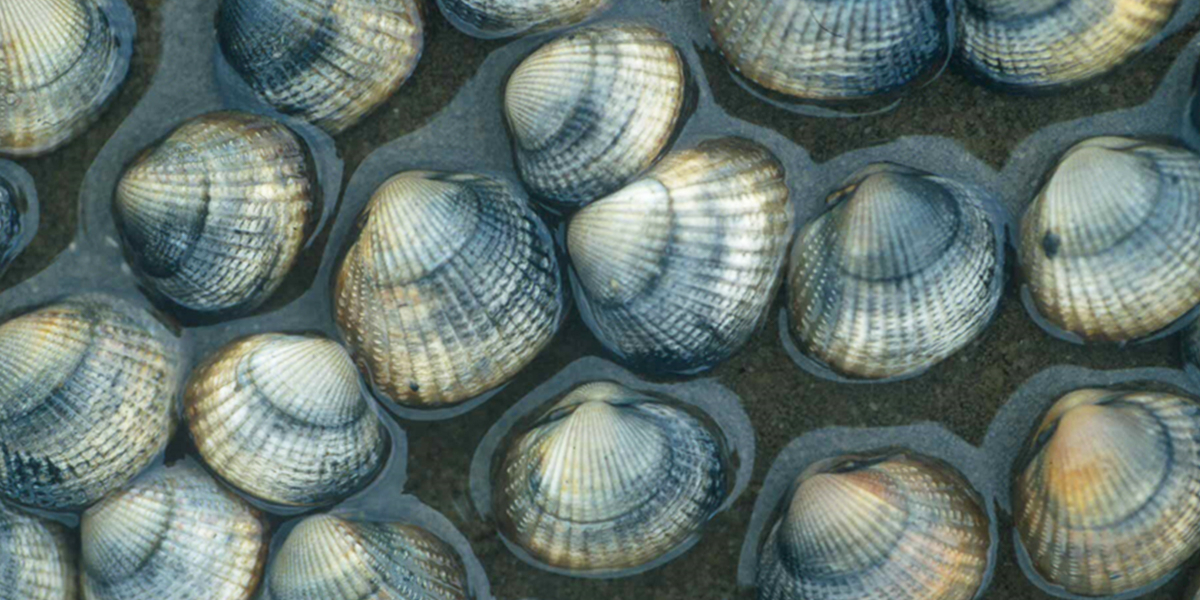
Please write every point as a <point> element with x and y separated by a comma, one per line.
<point>501,18</point>
<point>891,524</point>
<point>676,270</point>
<point>37,558</point>
<point>18,212</point>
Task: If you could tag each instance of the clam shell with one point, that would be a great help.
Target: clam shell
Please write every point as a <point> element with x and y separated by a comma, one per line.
<point>37,558</point>
<point>214,215</point>
<point>175,534</point>
<point>451,287</point>
<point>331,558</point>
<point>677,269</point>
<point>500,18</point>
<point>1110,244</point>
<point>329,62</point>
<point>903,270</point>
<point>592,109</point>
<point>893,524</point>
<point>325,439</point>
<point>87,400</point>
<point>10,221</point>
<point>62,61</point>
<point>822,50</point>
<point>1107,498</point>
<point>608,479</point>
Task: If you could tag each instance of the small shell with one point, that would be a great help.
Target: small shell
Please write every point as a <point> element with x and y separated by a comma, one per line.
<point>904,269</point>
<point>501,18</point>
<point>87,400</point>
<point>61,63</point>
<point>822,50</point>
<point>10,222</point>
<point>450,288</point>
<point>893,525</point>
<point>592,109</point>
<point>333,559</point>
<point>677,269</point>
<point>1109,246</point>
<point>215,214</point>
<point>329,62</point>
<point>1107,499</point>
<point>176,534</point>
<point>37,558</point>
<point>608,479</point>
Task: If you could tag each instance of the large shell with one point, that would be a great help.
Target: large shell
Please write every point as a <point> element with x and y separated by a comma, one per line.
<point>176,534</point>
<point>87,400</point>
<point>608,479</point>
<point>451,287</point>
<point>903,270</point>
<point>331,558</point>
<point>215,214</point>
<point>1109,246</point>
<point>892,524</point>
<point>499,18</point>
<point>823,50</point>
<point>592,109</point>
<point>37,558</point>
<point>329,62</point>
<point>677,269</point>
<point>1108,497</point>
<point>61,62</point>
<point>325,439</point>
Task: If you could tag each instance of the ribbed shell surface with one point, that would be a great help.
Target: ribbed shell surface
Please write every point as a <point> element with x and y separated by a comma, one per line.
<point>496,18</point>
<point>608,479</point>
<point>451,287</point>
<point>329,62</point>
<point>174,535</point>
<point>61,62</point>
<point>1109,246</point>
<point>284,419</point>
<point>37,558</point>
<point>328,558</point>
<point>830,49</point>
<point>901,272</point>
<point>215,214</point>
<point>1108,498</point>
<point>87,400</point>
<point>10,222</point>
<point>678,268</point>
<point>592,109</point>
<point>882,527</point>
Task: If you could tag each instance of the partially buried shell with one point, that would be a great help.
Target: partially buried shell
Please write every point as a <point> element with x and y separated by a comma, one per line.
<point>592,109</point>
<point>450,288</point>
<point>215,215</point>
<point>499,18</point>
<point>1106,498</point>
<point>331,558</point>
<point>10,222</point>
<point>609,479</point>
<point>62,61</point>
<point>176,534</point>
<point>37,558</point>
<point>904,269</point>
<point>329,62</point>
<point>87,400</point>
<point>326,442</point>
<point>1110,244</point>
<point>890,524</point>
<point>676,270</point>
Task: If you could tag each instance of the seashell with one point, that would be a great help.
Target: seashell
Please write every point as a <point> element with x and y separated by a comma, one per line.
<point>890,524</point>
<point>820,50</point>
<point>1042,44</point>
<point>676,270</point>
<point>608,479</point>
<point>175,534</point>
<point>1110,244</point>
<point>904,269</point>
<point>334,559</point>
<point>37,558</point>
<point>1107,498</point>
<point>329,62</point>
<point>10,222</point>
<point>326,441</point>
<point>215,215</point>
<point>87,400</point>
<point>450,289</point>
<point>502,18</point>
<point>592,109</point>
<point>61,64</point>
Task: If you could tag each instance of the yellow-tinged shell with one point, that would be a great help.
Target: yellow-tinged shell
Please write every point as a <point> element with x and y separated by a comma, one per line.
<point>37,558</point>
<point>499,18</point>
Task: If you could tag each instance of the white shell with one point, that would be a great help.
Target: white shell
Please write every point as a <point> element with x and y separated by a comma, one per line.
<point>500,18</point>
<point>37,558</point>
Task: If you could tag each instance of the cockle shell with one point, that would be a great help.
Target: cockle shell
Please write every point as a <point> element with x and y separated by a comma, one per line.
<point>37,558</point>
<point>676,270</point>
<point>500,18</point>
<point>10,222</point>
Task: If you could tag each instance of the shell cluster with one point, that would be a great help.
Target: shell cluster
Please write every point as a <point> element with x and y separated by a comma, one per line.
<point>499,18</point>
<point>37,558</point>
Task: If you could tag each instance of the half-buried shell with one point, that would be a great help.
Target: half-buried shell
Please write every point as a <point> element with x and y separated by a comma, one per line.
<point>500,18</point>
<point>37,558</point>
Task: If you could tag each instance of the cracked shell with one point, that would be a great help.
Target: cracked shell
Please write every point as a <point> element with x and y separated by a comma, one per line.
<point>37,558</point>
